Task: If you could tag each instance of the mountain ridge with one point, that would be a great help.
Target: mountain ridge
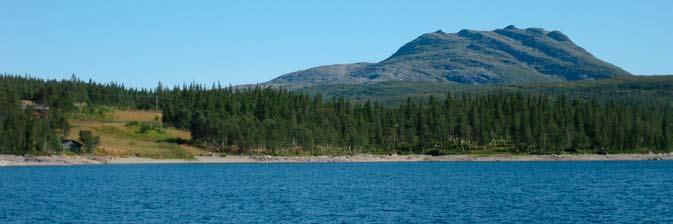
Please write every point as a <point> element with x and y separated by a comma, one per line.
<point>502,56</point>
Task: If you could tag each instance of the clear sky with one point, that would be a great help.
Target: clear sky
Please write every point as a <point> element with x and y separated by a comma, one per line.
<point>236,42</point>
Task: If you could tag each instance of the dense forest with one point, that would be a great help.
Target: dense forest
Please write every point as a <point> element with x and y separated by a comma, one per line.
<point>267,120</point>
<point>25,130</point>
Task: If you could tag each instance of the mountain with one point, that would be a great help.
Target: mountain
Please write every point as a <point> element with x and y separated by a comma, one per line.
<point>503,56</point>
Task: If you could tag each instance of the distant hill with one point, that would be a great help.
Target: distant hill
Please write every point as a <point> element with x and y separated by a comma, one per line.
<point>637,88</point>
<point>503,56</point>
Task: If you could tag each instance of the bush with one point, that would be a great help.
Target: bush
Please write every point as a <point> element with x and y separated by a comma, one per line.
<point>90,141</point>
<point>146,127</point>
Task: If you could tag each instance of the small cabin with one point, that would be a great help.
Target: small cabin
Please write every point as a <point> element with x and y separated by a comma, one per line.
<point>72,145</point>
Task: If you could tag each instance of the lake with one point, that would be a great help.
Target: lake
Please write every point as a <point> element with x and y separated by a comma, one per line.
<point>424,192</point>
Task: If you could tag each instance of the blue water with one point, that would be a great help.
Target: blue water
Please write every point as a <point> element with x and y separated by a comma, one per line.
<point>451,192</point>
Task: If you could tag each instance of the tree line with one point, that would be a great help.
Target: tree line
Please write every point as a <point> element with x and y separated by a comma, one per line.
<point>269,120</point>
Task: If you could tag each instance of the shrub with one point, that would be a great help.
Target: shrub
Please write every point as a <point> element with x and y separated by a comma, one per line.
<point>90,141</point>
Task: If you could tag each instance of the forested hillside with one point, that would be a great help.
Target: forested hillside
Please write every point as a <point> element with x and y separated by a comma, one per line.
<point>269,120</point>
<point>24,130</point>
<point>640,89</point>
<point>515,119</point>
<point>38,127</point>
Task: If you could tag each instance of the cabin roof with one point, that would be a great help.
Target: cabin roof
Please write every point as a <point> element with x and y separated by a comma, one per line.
<point>71,141</point>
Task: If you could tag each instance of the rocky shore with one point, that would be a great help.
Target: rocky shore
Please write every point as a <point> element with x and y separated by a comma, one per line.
<point>13,160</point>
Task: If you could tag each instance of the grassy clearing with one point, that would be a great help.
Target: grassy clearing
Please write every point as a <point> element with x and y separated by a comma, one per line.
<point>118,138</point>
<point>136,115</point>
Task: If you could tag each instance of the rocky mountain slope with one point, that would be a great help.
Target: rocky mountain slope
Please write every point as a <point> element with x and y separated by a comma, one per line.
<point>503,56</point>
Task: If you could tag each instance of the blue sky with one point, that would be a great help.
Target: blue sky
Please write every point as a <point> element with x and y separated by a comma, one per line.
<point>234,42</point>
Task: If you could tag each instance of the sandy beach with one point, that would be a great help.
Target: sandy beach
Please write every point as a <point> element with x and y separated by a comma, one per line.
<point>14,160</point>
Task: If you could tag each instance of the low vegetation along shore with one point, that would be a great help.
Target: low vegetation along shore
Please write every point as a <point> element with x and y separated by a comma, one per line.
<point>13,160</point>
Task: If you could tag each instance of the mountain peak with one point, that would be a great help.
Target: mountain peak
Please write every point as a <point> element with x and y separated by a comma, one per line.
<point>558,36</point>
<point>511,27</point>
<point>538,31</point>
<point>503,56</point>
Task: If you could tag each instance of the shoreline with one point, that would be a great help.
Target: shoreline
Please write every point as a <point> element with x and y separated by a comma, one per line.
<point>61,160</point>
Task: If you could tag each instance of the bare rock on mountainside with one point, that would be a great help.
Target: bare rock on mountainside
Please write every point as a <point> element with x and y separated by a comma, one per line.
<point>503,56</point>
